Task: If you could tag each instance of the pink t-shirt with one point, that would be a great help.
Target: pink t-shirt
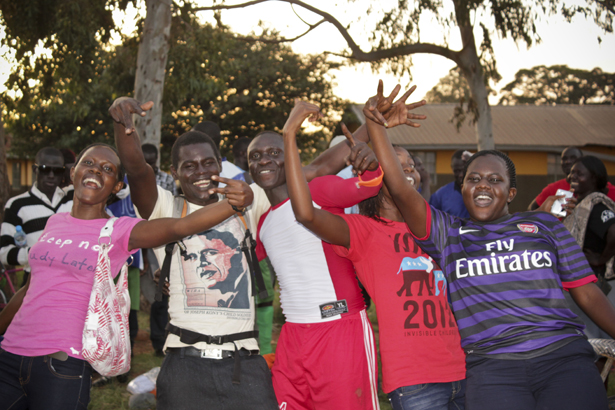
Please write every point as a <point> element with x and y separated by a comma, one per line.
<point>63,262</point>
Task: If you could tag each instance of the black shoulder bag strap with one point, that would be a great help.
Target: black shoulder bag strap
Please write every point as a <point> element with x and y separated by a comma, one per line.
<point>180,209</point>
<point>248,246</point>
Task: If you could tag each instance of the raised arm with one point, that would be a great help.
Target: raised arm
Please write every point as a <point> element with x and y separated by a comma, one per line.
<point>410,203</point>
<point>141,177</point>
<point>334,159</point>
<point>330,228</point>
<point>150,234</point>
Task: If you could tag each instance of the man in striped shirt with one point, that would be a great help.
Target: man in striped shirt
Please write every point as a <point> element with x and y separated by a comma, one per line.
<point>31,209</point>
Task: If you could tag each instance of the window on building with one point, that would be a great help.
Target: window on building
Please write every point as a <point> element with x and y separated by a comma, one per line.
<point>554,167</point>
<point>16,175</point>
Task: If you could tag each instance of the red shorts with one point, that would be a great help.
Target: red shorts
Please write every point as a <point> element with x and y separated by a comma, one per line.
<point>329,365</point>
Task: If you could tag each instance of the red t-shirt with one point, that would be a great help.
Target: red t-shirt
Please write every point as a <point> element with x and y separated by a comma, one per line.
<point>419,339</point>
<point>552,188</point>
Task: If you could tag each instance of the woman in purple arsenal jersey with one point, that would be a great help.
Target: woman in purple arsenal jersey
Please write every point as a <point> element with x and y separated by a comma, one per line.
<point>506,275</point>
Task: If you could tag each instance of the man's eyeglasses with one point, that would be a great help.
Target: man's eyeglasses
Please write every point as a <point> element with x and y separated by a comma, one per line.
<point>46,169</point>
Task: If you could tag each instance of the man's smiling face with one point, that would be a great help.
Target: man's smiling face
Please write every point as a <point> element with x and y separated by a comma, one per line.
<point>266,161</point>
<point>197,164</point>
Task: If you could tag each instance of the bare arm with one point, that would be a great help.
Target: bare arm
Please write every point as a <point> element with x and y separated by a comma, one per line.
<point>329,227</point>
<point>593,302</point>
<point>410,203</point>
<point>10,310</point>
<point>597,259</point>
<point>150,234</point>
<point>141,177</point>
<point>336,158</point>
<point>533,205</point>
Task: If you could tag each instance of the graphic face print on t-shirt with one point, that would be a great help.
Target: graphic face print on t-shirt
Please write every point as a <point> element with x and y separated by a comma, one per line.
<point>213,270</point>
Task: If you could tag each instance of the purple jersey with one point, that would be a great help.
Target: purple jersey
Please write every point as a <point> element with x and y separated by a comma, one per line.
<point>506,280</point>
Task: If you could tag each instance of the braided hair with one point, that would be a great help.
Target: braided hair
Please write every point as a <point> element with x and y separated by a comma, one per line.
<point>510,166</point>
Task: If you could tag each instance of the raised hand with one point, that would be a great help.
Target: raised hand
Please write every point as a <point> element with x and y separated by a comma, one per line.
<point>300,112</point>
<point>396,113</point>
<point>236,191</point>
<point>361,157</point>
<point>399,113</point>
<point>381,104</point>
<point>122,109</point>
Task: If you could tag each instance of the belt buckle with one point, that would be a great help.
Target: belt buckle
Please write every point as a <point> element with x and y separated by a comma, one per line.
<point>211,354</point>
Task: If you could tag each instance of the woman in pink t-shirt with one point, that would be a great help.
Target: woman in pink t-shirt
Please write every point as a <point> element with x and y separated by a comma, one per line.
<point>423,365</point>
<point>41,366</point>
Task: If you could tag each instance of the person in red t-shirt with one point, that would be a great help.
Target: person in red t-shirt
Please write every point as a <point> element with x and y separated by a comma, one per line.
<point>569,156</point>
<point>423,365</point>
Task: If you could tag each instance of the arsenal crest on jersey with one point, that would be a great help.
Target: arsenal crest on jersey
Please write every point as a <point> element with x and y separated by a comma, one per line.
<point>528,228</point>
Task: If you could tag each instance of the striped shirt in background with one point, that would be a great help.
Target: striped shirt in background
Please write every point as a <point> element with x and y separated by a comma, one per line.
<point>30,210</point>
<point>166,181</point>
<point>505,280</point>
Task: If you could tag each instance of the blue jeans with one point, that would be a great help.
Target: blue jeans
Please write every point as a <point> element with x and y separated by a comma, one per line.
<point>193,383</point>
<point>430,396</point>
<point>565,379</point>
<point>43,383</point>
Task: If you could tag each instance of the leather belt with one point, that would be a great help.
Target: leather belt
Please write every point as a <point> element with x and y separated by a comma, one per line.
<point>217,354</point>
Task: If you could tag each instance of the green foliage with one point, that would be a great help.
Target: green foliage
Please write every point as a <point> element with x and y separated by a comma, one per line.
<point>70,33</point>
<point>245,87</point>
<point>211,75</point>
<point>451,88</point>
<point>559,84</point>
<point>601,11</point>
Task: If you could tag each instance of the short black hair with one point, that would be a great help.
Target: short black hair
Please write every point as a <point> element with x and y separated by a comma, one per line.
<point>48,151</point>
<point>370,207</point>
<point>191,138</point>
<point>241,144</point>
<point>211,129</point>
<point>69,155</point>
<point>148,148</point>
<point>510,166</point>
<point>458,154</point>
<point>120,171</point>
<point>572,147</point>
<point>597,169</point>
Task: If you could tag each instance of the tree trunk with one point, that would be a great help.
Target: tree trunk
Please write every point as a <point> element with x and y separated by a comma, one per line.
<point>482,110</point>
<point>5,188</point>
<point>472,70</point>
<point>151,64</point>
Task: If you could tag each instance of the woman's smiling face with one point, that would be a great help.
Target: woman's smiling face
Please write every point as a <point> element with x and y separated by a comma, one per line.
<point>95,175</point>
<point>486,189</point>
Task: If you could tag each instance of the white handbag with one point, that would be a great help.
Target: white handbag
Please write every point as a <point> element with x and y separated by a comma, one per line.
<point>106,336</point>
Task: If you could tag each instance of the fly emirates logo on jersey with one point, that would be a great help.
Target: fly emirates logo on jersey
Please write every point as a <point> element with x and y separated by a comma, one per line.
<point>501,259</point>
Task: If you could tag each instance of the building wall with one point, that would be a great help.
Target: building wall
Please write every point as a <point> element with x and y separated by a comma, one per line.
<point>23,181</point>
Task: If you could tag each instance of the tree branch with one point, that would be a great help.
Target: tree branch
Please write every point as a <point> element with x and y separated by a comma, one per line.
<point>356,52</point>
<point>284,39</point>
<point>607,4</point>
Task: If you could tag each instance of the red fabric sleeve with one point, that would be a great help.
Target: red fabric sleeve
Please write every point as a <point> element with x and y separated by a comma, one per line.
<point>611,193</point>
<point>427,224</point>
<point>551,189</point>
<point>579,282</point>
<point>331,191</point>
<point>261,253</point>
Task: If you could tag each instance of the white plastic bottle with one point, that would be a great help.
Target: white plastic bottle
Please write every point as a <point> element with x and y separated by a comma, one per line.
<point>20,237</point>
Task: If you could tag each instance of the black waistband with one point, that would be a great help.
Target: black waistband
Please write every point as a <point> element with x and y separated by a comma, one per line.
<point>201,353</point>
<point>189,337</point>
